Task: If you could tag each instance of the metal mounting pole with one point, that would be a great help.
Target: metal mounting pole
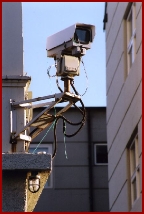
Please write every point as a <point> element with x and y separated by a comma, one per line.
<point>67,80</point>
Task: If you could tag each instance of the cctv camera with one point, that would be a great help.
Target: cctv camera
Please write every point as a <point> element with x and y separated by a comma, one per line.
<point>74,41</point>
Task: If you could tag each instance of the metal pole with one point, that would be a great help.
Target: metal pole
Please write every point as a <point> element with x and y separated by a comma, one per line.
<point>67,85</point>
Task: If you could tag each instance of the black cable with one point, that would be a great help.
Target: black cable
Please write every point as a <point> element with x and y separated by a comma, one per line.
<point>81,123</point>
<point>55,139</point>
<point>72,84</point>
<point>58,85</point>
<point>71,135</point>
<point>48,72</point>
<point>86,78</point>
<point>78,108</point>
<point>64,126</point>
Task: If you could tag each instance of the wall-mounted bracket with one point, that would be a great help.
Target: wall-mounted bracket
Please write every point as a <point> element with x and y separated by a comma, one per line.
<point>43,119</point>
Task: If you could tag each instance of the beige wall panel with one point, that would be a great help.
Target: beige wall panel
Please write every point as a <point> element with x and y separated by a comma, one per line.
<point>123,198</point>
<point>115,59</point>
<point>123,103</point>
<point>131,119</point>
<point>140,136</point>
<point>121,203</point>
<point>140,161</point>
<point>111,11</point>
<point>118,180</point>
<point>115,27</point>
<point>138,7</point>
<point>117,81</point>
<point>137,206</point>
<point>124,133</point>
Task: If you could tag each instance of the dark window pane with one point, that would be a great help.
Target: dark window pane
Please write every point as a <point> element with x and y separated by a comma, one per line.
<point>134,189</point>
<point>130,57</point>
<point>133,158</point>
<point>101,154</point>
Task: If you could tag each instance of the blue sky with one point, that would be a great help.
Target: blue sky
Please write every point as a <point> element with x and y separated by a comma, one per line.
<point>42,19</point>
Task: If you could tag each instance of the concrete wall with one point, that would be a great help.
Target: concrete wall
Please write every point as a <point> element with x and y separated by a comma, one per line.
<point>17,167</point>
<point>71,177</point>
<point>12,49</point>
<point>12,69</point>
<point>14,187</point>
<point>16,163</point>
<point>124,102</point>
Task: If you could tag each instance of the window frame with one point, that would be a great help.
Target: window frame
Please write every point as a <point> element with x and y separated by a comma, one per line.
<point>95,159</point>
<point>131,36</point>
<point>134,170</point>
<point>49,183</point>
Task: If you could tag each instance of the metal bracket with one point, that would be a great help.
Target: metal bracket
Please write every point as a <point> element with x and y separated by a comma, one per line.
<point>43,119</point>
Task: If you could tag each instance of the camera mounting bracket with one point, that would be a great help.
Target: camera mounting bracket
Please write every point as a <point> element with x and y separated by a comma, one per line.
<point>43,119</point>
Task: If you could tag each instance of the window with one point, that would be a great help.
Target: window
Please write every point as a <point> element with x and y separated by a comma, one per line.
<point>134,170</point>
<point>100,154</point>
<point>43,148</point>
<point>131,34</point>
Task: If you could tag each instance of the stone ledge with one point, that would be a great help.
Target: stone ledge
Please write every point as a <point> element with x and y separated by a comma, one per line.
<point>26,161</point>
<point>16,77</point>
<point>15,80</point>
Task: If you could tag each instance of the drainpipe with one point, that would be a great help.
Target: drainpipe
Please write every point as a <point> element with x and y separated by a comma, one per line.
<point>90,160</point>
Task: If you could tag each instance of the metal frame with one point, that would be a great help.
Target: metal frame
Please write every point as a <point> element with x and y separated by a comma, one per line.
<point>43,119</point>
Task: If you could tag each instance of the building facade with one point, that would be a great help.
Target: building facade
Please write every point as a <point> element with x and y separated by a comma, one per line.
<point>79,177</point>
<point>123,26</point>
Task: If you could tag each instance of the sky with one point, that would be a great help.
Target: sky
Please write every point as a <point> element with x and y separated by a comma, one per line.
<point>43,19</point>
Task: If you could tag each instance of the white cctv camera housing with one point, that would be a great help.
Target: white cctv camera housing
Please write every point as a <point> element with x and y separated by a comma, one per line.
<point>74,40</point>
